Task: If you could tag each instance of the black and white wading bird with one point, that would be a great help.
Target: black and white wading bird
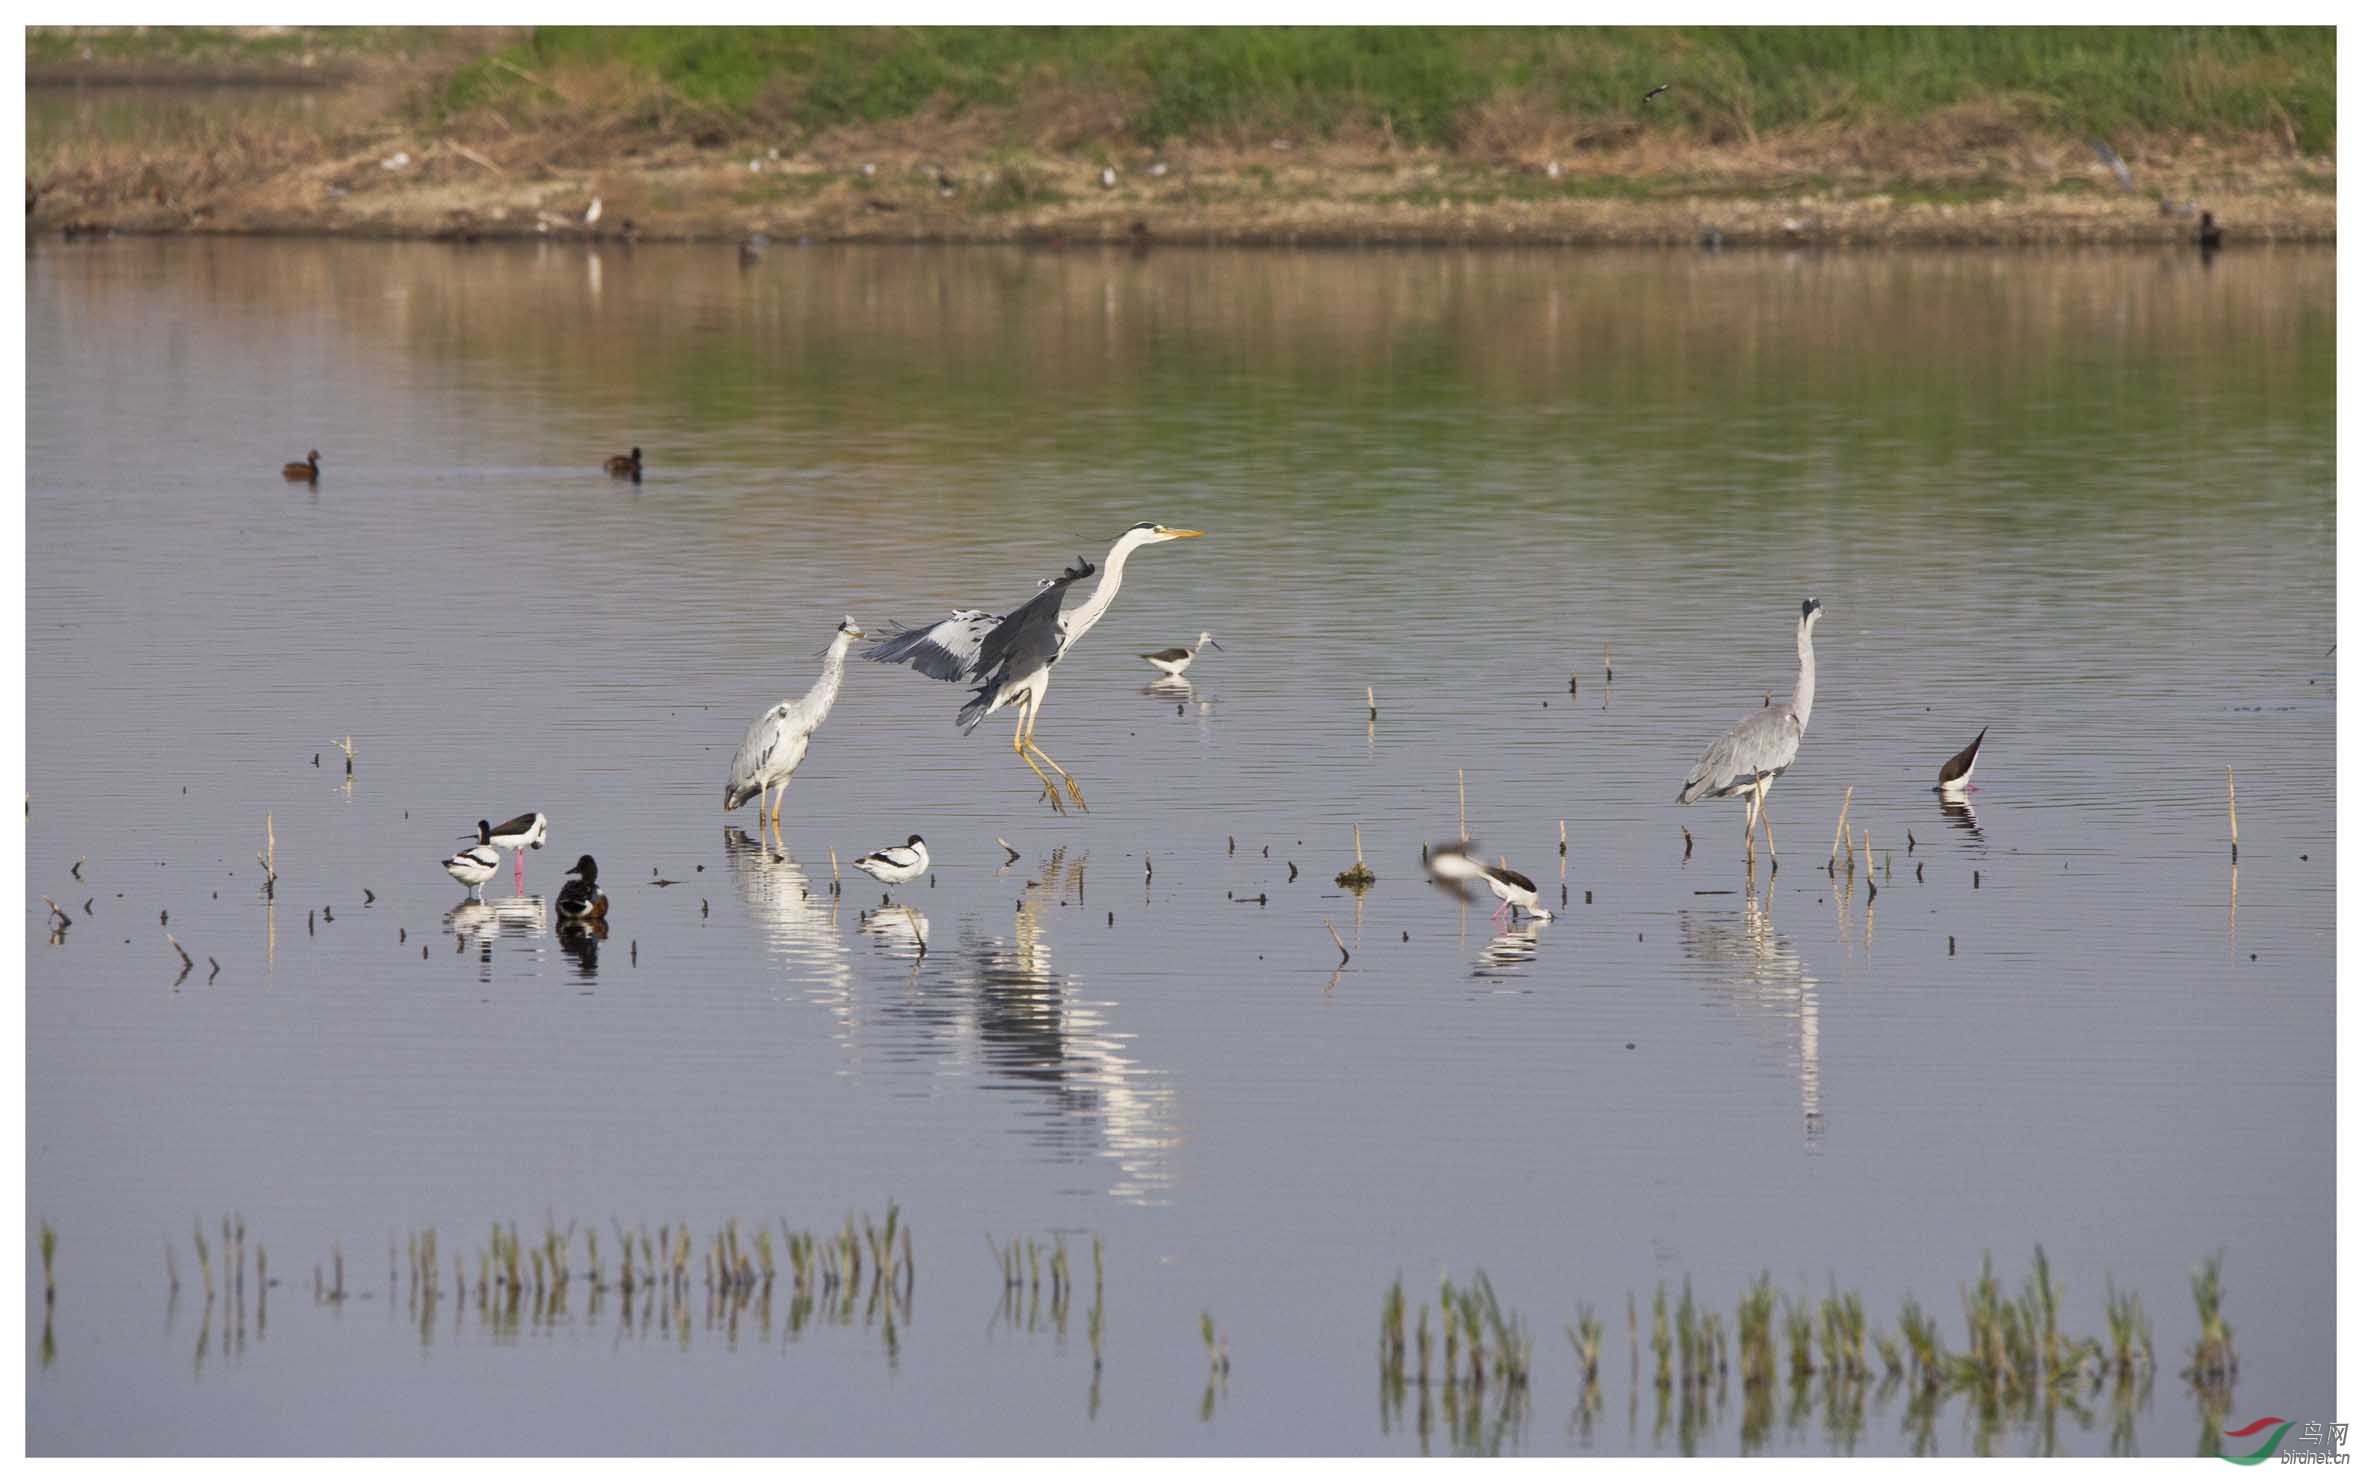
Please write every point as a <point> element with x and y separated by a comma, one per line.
<point>522,833</point>
<point>1010,658</point>
<point>1952,779</point>
<point>580,899</point>
<point>1457,864</point>
<point>775,744</point>
<point>1745,759</point>
<point>1174,661</point>
<point>473,866</point>
<point>896,864</point>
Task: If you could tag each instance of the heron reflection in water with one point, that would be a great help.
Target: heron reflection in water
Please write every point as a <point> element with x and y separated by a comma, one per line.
<point>798,918</point>
<point>1039,1035</point>
<point>1771,987</point>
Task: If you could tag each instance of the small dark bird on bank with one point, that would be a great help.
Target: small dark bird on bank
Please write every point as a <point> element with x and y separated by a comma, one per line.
<point>1651,95</point>
<point>750,251</point>
<point>944,184</point>
<point>580,899</point>
<point>2210,236</point>
<point>625,465</point>
<point>307,472</point>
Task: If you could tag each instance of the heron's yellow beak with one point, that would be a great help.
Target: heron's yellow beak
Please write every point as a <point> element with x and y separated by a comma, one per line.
<point>1182,535</point>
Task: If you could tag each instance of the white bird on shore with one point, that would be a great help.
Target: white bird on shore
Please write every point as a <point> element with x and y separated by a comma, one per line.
<point>896,864</point>
<point>590,218</point>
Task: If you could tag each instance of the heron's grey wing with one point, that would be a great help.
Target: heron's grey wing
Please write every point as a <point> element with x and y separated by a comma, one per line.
<point>2113,160</point>
<point>948,650</point>
<point>762,739</point>
<point>1029,636</point>
<point>1765,742</point>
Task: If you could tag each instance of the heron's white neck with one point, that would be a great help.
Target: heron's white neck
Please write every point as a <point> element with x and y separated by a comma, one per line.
<point>1800,704</point>
<point>823,695</point>
<point>1111,577</point>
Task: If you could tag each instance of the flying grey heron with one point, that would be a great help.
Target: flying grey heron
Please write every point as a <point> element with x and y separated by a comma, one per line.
<point>580,899</point>
<point>896,864</point>
<point>524,832</point>
<point>1174,661</point>
<point>472,867</point>
<point>1745,759</point>
<point>1010,658</point>
<point>1953,777</point>
<point>775,744</point>
<point>1457,864</point>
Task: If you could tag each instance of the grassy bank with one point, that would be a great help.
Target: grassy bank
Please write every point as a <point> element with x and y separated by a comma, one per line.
<point>1368,134</point>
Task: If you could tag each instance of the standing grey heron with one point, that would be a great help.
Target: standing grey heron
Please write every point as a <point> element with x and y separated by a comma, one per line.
<point>775,744</point>
<point>1174,661</point>
<point>1745,759</point>
<point>1010,658</point>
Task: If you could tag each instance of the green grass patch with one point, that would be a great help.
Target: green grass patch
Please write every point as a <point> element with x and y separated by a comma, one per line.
<point>1430,86</point>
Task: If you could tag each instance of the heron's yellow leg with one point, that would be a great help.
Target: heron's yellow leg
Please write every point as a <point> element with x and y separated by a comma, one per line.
<point>1763,812</point>
<point>1749,798</point>
<point>1072,786</point>
<point>1017,740</point>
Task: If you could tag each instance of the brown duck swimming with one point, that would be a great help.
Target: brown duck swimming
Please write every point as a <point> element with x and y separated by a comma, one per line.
<point>307,472</point>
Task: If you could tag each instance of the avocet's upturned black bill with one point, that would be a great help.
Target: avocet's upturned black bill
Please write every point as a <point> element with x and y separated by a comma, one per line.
<point>1745,759</point>
<point>1010,658</point>
<point>896,864</point>
<point>580,899</point>
<point>775,744</point>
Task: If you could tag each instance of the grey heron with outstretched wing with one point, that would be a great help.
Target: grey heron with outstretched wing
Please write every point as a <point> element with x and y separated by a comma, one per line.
<point>1745,759</point>
<point>1010,658</point>
<point>775,744</point>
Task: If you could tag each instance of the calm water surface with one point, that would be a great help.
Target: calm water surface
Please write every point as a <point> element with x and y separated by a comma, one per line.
<point>2086,501</point>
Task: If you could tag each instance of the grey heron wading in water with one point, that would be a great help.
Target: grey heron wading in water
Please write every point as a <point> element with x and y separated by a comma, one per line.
<point>775,744</point>
<point>1745,759</point>
<point>1010,658</point>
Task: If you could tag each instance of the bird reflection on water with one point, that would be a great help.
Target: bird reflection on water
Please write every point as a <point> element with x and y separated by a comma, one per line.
<point>797,918</point>
<point>478,925</point>
<point>1039,1035</point>
<point>580,941</point>
<point>1772,986</point>
<point>1510,951</point>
